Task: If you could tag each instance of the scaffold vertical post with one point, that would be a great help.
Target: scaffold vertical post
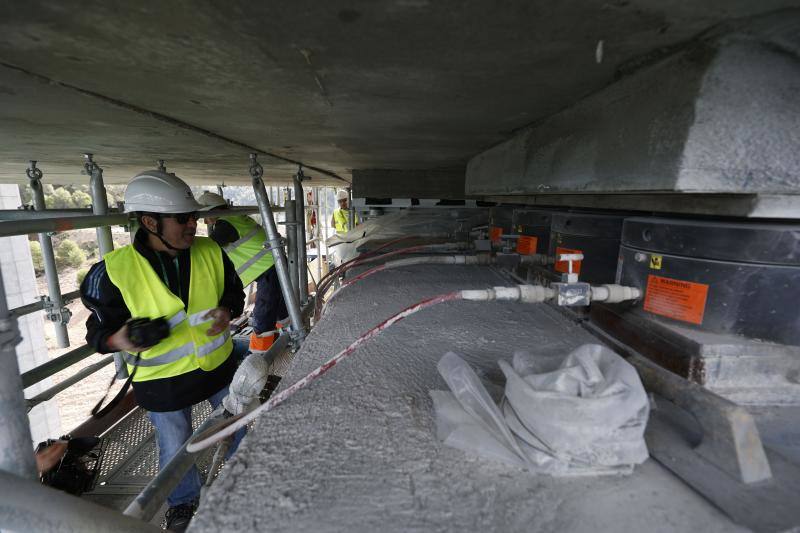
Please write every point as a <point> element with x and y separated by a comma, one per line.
<point>56,311</point>
<point>268,221</point>
<point>351,221</point>
<point>290,219</point>
<point>105,241</point>
<point>317,236</point>
<point>300,210</point>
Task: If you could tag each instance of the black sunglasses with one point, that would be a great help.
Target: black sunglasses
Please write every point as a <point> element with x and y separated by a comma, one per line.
<point>181,218</point>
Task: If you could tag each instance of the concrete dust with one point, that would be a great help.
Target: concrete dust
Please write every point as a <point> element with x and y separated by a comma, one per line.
<point>357,450</point>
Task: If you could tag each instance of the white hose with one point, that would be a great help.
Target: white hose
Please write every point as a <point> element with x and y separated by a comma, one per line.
<point>520,293</point>
<point>612,293</point>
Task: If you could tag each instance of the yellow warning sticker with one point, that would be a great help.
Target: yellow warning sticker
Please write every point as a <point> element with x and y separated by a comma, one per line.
<point>656,261</point>
<point>674,298</point>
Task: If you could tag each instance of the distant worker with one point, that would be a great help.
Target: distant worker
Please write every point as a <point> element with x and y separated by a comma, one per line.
<point>244,242</point>
<point>166,301</point>
<point>341,217</point>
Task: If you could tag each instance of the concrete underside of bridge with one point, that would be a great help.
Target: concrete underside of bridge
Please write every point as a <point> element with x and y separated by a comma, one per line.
<point>403,91</point>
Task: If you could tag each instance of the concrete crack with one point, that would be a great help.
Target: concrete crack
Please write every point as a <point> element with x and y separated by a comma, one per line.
<point>317,78</point>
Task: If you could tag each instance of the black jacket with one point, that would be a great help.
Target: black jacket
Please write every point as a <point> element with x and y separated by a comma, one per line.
<point>109,313</point>
<point>223,233</point>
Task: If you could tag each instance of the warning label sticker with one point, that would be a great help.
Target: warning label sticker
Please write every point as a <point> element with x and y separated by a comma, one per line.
<point>526,245</point>
<point>674,298</point>
<point>563,266</point>
<point>656,261</point>
<point>495,233</point>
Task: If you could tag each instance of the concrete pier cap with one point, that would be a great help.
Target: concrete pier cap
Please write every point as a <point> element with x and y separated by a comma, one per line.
<point>720,114</point>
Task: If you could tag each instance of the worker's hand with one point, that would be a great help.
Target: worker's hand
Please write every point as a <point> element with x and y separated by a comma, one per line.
<point>50,456</point>
<point>222,319</point>
<point>119,341</point>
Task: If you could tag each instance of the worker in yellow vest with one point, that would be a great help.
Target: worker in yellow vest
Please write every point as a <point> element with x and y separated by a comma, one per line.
<point>166,301</point>
<point>340,220</point>
<point>245,243</point>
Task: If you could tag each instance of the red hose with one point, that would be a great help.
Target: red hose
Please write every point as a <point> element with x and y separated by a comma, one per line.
<point>231,425</point>
<point>344,267</point>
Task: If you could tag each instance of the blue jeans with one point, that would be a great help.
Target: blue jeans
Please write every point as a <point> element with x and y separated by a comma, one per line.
<point>173,428</point>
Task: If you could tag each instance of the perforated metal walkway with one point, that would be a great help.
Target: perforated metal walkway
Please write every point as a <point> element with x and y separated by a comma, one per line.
<point>131,459</point>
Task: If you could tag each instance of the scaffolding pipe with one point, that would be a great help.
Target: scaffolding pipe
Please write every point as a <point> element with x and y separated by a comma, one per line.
<point>317,240</point>
<point>68,382</point>
<point>300,217</point>
<point>323,223</point>
<point>16,451</point>
<point>43,303</point>
<point>99,204</point>
<point>58,314</point>
<point>351,223</point>
<point>28,214</point>
<point>274,238</point>
<point>27,505</point>
<point>291,245</point>
<point>54,366</point>
<point>104,240</point>
<point>59,224</point>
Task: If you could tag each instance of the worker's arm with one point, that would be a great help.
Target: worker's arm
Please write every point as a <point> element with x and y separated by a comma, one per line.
<point>333,221</point>
<point>109,312</point>
<point>224,233</point>
<point>233,293</point>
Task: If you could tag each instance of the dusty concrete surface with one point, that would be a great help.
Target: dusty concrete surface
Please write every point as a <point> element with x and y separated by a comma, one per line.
<point>356,451</point>
<point>344,84</point>
<point>720,116</point>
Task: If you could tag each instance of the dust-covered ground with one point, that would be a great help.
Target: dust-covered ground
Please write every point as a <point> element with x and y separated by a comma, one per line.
<point>357,450</point>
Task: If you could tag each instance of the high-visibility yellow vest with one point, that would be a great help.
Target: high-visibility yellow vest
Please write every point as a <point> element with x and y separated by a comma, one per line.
<point>188,347</point>
<point>248,254</point>
<point>341,218</point>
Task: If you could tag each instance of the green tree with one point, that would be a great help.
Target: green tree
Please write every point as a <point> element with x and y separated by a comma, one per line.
<point>69,254</point>
<point>90,247</point>
<point>36,255</point>
<point>81,199</point>
<point>60,199</point>
<point>80,275</point>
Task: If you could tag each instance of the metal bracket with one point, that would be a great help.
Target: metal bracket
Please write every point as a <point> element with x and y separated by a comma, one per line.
<point>61,315</point>
<point>572,294</point>
<point>256,170</point>
<point>33,172</point>
<point>91,168</point>
<point>162,166</point>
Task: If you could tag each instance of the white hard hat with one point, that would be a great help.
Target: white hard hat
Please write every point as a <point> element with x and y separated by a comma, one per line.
<point>154,191</point>
<point>342,195</point>
<point>212,199</point>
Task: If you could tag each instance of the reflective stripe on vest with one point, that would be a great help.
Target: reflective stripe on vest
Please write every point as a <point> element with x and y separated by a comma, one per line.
<point>187,348</point>
<point>249,253</point>
<point>232,246</point>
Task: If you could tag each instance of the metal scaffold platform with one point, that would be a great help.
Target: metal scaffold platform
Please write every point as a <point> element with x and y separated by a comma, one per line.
<point>131,458</point>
